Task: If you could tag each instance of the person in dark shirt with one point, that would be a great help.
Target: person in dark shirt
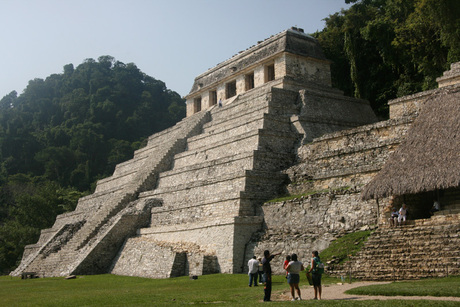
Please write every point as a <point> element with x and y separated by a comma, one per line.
<point>267,274</point>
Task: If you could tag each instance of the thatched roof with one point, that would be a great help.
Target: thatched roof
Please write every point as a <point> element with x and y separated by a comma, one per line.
<point>429,156</point>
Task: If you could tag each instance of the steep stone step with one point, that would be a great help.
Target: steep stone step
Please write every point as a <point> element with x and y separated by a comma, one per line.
<point>245,101</point>
<point>409,252</point>
<point>448,211</point>
<point>277,141</point>
<point>129,166</point>
<point>199,191</point>
<point>207,170</point>
<point>250,115</point>
<point>257,160</point>
<point>127,171</point>
<point>222,148</point>
<point>201,140</point>
<point>233,118</point>
<point>195,212</point>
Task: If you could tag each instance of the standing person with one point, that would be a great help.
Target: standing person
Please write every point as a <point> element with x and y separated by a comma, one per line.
<point>316,271</point>
<point>285,264</point>
<point>268,274</point>
<point>294,268</point>
<point>261,271</point>
<point>253,265</point>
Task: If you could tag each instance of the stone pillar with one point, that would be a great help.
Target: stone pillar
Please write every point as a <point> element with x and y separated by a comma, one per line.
<point>221,92</point>
<point>259,76</point>
<point>205,101</point>
<point>280,66</point>
<point>189,107</point>
<point>240,84</point>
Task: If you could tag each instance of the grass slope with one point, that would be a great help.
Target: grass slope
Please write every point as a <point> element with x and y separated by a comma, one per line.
<point>343,247</point>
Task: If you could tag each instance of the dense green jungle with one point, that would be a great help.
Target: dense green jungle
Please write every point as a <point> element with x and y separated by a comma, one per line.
<point>62,134</point>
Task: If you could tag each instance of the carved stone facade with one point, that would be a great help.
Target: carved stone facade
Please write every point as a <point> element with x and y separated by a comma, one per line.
<point>286,60</point>
<point>192,201</point>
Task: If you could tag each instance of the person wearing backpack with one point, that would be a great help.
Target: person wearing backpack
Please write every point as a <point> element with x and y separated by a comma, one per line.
<point>317,269</point>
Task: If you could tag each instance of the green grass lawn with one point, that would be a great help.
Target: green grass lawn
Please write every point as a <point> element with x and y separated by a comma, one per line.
<point>111,290</point>
<point>449,286</point>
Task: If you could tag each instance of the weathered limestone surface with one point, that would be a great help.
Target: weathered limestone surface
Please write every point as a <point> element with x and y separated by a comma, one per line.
<point>104,216</point>
<point>428,248</point>
<point>209,196</point>
<point>450,77</point>
<point>194,200</point>
<point>334,168</point>
<point>299,52</point>
<point>324,111</point>
<point>348,159</point>
<point>310,223</point>
<point>156,259</point>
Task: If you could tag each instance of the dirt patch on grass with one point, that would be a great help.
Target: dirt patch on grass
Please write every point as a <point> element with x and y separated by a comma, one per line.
<point>336,292</point>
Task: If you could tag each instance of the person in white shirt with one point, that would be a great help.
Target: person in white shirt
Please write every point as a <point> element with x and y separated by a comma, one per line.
<point>294,267</point>
<point>402,215</point>
<point>436,207</point>
<point>253,273</point>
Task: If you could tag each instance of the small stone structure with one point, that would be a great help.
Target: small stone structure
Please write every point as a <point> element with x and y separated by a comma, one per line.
<point>193,201</point>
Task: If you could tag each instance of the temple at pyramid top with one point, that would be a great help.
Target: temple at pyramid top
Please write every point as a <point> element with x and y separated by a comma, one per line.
<point>288,60</point>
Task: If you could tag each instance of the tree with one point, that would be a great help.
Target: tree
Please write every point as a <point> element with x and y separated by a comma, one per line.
<point>383,49</point>
<point>65,132</point>
<point>31,205</point>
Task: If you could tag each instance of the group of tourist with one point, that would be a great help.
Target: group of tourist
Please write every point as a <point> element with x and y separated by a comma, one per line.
<point>262,269</point>
<point>398,217</point>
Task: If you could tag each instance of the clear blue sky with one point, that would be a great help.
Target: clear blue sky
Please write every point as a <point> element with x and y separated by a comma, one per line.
<point>170,40</point>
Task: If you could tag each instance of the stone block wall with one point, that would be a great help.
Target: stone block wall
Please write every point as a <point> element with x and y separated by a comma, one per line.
<point>310,223</point>
<point>450,77</point>
<point>408,106</point>
<point>307,70</point>
<point>145,258</point>
<point>330,171</point>
<point>324,110</point>
<point>213,238</point>
<point>346,158</point>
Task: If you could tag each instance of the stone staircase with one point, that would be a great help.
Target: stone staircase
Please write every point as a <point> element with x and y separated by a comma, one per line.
<point>222,158</point>
<point>215,186</point>
<point>428,248</point>
<point>112,195</point>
